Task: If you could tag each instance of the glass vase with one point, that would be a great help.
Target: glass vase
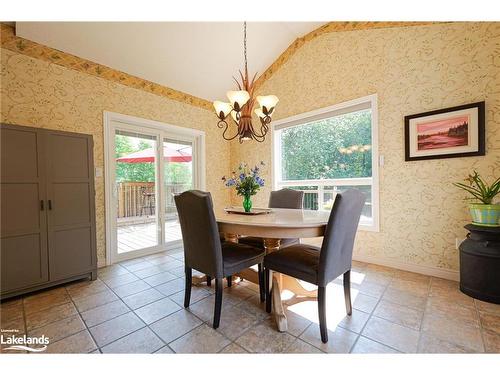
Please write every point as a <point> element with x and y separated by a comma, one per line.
<point>247,203</point>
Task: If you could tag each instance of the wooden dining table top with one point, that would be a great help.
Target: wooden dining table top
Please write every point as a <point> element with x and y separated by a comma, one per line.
<point>278,223</point>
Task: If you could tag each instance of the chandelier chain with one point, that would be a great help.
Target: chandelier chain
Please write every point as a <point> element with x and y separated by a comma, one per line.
<point>245,45</point>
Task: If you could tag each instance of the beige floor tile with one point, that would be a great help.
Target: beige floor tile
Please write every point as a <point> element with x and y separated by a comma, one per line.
<point>391,334</point>
<point>80,342</point>
<point>150,271</point>
<point>105,312</point>
<point>431,344</point>
<point>419,288</point>
<point>52,314</point>
<point>265,338</point>
<point>233,349</point>
<point>365,303</point>
<point>296,324</point>
<point>382,270</point>
<point>367,346</point>
<point>371,289</point>
<point>451,292</point>
<point>129,262</point>
<point>170,264</point>
<point>236,294</point>
<point>160,278</point>
<point>14,325</point>
<point>157,310</point>
<point>109,272</point>
<point>11,302</point>
<point>443,306</point>
<point>94,300</point>
<point>377,278</point>
<point>405,299</point>
<point>411,276</point>
<point>490,322</point>
<point>355,322</point>
<point>60,329</point>
<point>171,287</point>
<point>491,341</point>
<point>202,339</point>
<point>253,306</point>
<point>143,341</point>
<point>339,340</point>
<point>175,325</point>
<point>86,288</point>
<point>454,330</point>
<point>143,298</point>
<point>131,288</point>
<point>116,328</point>
<point>490,308</point>
<point>234,322</point>
<point>197,294</point>
<point>302,347</point>
<point>204,309</point>
<point>137,266</point>
<point>179,271</point>
<point>120,280</point>
<point>399,314</point>
<point>47,299</point>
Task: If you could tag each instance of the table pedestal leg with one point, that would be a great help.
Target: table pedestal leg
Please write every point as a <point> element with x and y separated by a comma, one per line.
<point>273,244</point>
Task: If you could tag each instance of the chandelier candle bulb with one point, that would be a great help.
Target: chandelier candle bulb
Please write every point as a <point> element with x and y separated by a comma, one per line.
<point>222,109</point>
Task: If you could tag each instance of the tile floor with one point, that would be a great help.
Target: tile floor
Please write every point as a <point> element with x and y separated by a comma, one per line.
<point>136,307</point>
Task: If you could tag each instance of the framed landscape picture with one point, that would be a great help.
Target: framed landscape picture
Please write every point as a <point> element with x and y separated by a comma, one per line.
<point>445,133</point>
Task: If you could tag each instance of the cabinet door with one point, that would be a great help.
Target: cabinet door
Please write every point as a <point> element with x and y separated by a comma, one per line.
<point>23,250</point>
<point>71,212</point>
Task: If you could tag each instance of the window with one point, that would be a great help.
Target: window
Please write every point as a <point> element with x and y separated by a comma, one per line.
<point>330,150</point>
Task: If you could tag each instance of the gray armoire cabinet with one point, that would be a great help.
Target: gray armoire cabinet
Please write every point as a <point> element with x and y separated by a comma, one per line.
<point>47,204</point>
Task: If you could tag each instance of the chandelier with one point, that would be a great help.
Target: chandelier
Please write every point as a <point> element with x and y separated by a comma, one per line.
<point>241,105</point>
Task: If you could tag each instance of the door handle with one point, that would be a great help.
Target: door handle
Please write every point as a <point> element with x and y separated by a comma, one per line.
<point>50,204</point>
<point>41,205</point>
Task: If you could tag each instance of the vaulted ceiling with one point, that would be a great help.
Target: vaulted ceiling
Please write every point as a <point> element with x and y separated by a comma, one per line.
<point>198,58</point>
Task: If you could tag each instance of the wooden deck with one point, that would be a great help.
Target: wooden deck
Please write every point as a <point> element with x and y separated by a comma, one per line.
<point>137,236</point>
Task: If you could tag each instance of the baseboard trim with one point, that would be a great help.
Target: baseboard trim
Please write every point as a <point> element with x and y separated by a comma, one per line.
<point>425,270</point>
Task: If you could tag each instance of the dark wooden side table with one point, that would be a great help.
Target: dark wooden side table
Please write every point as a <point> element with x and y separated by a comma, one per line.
<point>480,263</point>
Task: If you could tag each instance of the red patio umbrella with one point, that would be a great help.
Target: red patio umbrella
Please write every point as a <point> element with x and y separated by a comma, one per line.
<point>148,155</point>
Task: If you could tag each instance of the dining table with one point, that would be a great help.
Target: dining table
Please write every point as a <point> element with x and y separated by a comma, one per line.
<point>272,226</point>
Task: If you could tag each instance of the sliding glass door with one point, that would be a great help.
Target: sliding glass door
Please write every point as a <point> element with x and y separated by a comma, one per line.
<point>146,168</point>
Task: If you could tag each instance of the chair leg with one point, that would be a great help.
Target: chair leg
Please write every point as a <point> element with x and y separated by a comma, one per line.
<point>187,291</point>
<point>322,313</point>
<point>229,281</point>
<point>268,281</point>
<point>347,292</point>
<point>218,301</point>
<point>262,288</point>
<point>209,281</point>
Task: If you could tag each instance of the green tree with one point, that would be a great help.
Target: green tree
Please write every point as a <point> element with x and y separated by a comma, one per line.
<point>314,150</point>
<point>142,172</point>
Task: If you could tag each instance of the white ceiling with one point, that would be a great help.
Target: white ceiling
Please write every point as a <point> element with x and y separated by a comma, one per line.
<point>198,58</point>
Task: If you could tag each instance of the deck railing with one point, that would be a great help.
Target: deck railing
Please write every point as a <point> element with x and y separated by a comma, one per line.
<point>138,198</point>
<point>320,194</point>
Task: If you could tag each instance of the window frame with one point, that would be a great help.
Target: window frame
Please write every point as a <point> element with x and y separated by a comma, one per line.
<point>332,111</point>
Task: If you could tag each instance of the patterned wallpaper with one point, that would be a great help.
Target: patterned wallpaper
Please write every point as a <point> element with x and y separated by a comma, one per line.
<point>41,94</point>
<point>412,69</point>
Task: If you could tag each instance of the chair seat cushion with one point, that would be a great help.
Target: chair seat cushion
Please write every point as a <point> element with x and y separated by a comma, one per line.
<point>237,257</point>
<point>259,242</point>
<point>300,261</point>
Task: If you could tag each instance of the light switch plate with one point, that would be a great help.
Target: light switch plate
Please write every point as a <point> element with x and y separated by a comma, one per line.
<point>98,172</point>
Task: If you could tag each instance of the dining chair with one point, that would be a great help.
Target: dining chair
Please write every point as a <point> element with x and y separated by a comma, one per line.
<point>284,198</point>
<point>203,250</point>
<point>317,265</point>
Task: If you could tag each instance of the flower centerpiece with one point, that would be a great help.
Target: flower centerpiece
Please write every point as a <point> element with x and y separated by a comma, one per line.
<point>484,212</point>
<point>247,182</point>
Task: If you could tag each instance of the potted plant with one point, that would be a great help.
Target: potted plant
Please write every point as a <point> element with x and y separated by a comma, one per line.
<point>484,212</point>
<point>247,182</point>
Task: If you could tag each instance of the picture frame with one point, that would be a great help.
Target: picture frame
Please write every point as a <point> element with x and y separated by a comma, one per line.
<point>446,133</point>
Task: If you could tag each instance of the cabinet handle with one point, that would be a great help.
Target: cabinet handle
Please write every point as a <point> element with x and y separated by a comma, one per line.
<point>50,204</point>
<point>41,205</point>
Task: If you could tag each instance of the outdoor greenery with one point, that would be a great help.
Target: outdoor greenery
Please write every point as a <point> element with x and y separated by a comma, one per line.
<point>479,189</point>
<point>175,173</point>
<point>338,147</point>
